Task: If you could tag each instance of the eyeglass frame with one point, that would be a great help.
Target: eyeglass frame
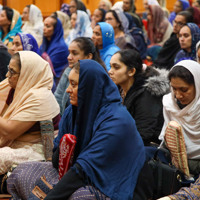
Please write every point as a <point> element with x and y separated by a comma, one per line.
<point>12,72</point>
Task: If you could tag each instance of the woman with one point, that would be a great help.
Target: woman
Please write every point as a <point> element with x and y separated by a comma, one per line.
<point>105,5</point>
<point>65,20</point>
<point>79,49</point>
<point>159,28</point>
<point>33,22</point>
<point>53,47</point>
<point>179,5</point>
<point>81,26</point>
<point>75,5</point>
<point>23,41</point>
<point>120,24</point>
<point>189,35</point>
<point>106,126</point>
<point>23,105</point>
<point>98,16</point>
<point>182,106</point>
<point>141,92</point>
<point>198,52</point>
<point>104,39</point>
<point>105,122</point>
<point>10,23</point>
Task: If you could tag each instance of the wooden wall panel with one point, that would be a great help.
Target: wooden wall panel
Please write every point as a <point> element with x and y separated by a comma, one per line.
<point>18,4</point>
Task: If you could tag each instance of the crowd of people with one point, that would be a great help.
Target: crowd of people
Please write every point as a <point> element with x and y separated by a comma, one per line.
<point>113,82</point>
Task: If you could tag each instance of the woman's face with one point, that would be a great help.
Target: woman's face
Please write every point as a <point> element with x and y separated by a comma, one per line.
<point>177,7</point>
<point>97,37</point>
<point>73,87</point>
<point>75,54</point>
<point>126,5</point>
<point>97,16</point>
<point>17,44</point>
<point>185,38</point>
<point>13,73</point>
<point>73,20</point>
<point>110,19</point>
<point>49,27</point>
<point>198,55</point>
<point>118,71</point>
<point>145,4</point>
<point>3,19</point>
<point>25,14</point>
<point>72,7</point>
<point>183,91</point>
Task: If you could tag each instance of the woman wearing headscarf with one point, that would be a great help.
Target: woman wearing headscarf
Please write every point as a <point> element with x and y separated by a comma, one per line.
<point>105,4</point>
<point>120,24</point>
<point>107,126</point>
<point>53,47</point>
<point>23,41</point>
<point>23,105</point>
<point>179,5</point>
<point>65,20</point>
<point>181,117</point>
<point>104,39</point>
<point>159,30</point>
<point>81,26</point>
<point>33,22</point>
<point>10,23</point>
<point>189,35</point>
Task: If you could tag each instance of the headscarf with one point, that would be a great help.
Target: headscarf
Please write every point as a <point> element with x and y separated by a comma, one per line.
<point>35,24</point>
<point>65,20</point>
<point>82,28</point>
<point>106,136</point>
<point>65,8</point>
<point>197,48</point>
<point>158,25</point>
<point>33,99</point>
<point>153,2</point>
<point>187,117</point>
<point>123,19</point>
<point>28,42</point>
<point>56,49</point>
<point>196,16</point>
<point>184,55</point>
<point>108,39</point>
<point>108,4</point>
<point>15,28</point>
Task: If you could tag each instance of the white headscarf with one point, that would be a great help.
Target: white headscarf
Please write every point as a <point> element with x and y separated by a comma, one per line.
<point>35,24</point>
<point>189,116</point>
<point>153,2</point>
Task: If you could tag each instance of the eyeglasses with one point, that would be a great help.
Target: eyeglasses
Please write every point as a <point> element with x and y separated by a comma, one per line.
<point>178,23</point>
<point>12,72</point>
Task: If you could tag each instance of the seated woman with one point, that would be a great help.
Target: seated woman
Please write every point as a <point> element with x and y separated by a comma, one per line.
<point>98,16</point>
<point>182,107</point>
<point>23,105</point>
<point>179,6</point>
<point>79,49</point>
<point>119,22</point>
<point>33,22</point>
<point>104,39</point>
<point>189,35</point>
<point>106,135</point>
<point>10,23</point>
<point>23,41</point>
<point>81,26</point>
<point>53,48</point>
<point>65,20</point>
<point>142,92</point>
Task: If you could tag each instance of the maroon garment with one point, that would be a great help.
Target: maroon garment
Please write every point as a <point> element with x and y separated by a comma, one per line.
<point>36,126</point>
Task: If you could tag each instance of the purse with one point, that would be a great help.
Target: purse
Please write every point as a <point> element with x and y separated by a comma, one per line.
<point>66,153</point>
<point>167,178</point>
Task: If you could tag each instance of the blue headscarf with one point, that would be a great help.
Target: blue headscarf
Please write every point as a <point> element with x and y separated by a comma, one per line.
<point>28,42</point>
<point>108,39</point>
<point>109,148</point>
<point>185,5</point>
<point>184,55</point>
<point>56,49</point>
